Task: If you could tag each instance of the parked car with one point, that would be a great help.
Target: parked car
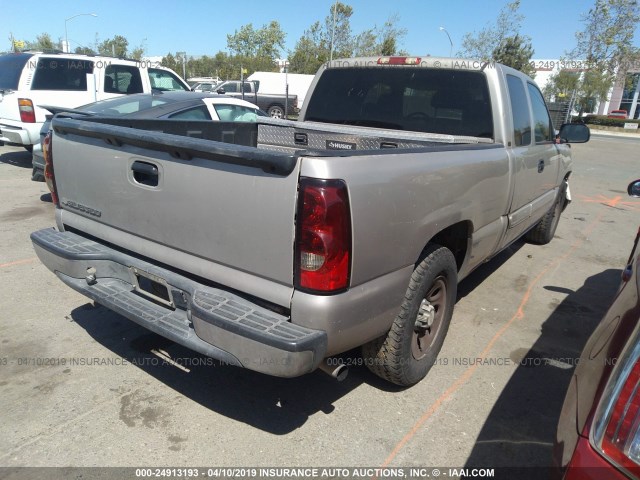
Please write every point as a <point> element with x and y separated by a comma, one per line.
<point>618,114</point>
<point>599,428</point>
<point>168,105</point>
<point>30,79</point>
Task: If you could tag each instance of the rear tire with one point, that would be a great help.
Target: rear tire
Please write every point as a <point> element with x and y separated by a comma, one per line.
<point>276,111</point>
<point>28,148</point>
<point>37,175</point>
<point>407,352</point>
<point>543,232</point>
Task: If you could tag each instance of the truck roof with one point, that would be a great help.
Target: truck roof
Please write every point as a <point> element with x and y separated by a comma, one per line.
<point>406,61</point>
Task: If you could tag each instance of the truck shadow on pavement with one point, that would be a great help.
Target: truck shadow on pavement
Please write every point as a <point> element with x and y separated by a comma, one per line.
<point>18,159</point>
<point>521,428</point>
<point>275,405</point>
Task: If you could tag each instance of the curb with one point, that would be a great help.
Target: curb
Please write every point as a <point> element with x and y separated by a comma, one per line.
<point>614,134</point>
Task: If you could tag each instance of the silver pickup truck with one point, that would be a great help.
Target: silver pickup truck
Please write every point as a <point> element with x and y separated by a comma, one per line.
<point>279,245</point>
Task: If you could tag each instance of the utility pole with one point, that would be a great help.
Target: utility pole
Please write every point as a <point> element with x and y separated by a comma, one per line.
<point>333,30</point>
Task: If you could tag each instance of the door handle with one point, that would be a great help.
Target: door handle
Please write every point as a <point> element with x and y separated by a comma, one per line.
<point>540,165</point>
<point>145,173</point>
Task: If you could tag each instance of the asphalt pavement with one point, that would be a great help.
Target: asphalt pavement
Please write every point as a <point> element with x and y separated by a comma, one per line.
<point>82,386</point>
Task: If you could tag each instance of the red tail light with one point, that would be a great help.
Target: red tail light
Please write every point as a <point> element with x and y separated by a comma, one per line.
<point>323,244</point>
<point>27,112</point>
<point>399,60</point>
<point>617,421</point>
<point>50,178</point>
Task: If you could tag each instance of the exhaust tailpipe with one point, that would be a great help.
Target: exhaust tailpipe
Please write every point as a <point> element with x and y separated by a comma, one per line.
<point>330,366</point>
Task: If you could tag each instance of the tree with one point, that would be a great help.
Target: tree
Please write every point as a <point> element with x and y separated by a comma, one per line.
<point>561,85</point>
<point>267,42</point>
<point>310,51</point>
<point>321,41</point>
<point>169,61</point>
<point>138,52</point>
<point>339,37</point>
<point>515,52</point>
<point>607,39</point>
<point>116,47</point>
<point>593,88</point>
<point>603,46</point>
<point>380,40</point>
<point>42,42</point>
<point>482,44</point>
<point>84,51</point>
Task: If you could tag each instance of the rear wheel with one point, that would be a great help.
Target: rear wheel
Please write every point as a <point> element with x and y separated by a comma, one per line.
<point>29,148</point>
<point>407,352</point>
<point>37,175</point>
<point>276,111</point>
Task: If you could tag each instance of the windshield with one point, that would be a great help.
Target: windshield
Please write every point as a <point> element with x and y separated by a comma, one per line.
<point>11,66</point>
<point>123,105</point>
<point>415,99</point>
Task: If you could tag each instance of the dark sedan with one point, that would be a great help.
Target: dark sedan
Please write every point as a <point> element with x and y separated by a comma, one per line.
<point>160,104</point>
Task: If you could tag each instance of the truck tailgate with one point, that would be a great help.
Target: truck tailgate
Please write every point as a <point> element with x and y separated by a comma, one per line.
<point>229,204</point>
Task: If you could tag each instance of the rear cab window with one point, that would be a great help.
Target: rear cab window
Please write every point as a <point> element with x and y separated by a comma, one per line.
<point>453,102</point>
<point>59,73</point>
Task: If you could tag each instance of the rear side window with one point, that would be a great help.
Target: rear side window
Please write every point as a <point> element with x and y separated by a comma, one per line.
<point>197,113</point>
<point>11,66</point>
<point>230,87</point>
<point>235,113</point>
<point>443,101</point>
<point>122,79</point>
<point>61,74</point>
<point>543,127</point>
<point>164,80</point>
<point>519,111</point>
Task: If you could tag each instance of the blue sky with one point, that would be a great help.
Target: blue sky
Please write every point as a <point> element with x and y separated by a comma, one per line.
<point>200,27</point>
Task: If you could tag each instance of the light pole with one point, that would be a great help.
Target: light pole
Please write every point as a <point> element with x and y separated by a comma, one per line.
<point>442,29</point>
<point>333,30</point>
<point>184,64</point>
<point>66,38</point>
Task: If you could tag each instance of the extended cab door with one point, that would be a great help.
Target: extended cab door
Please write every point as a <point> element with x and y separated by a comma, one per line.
<point>535,155</point>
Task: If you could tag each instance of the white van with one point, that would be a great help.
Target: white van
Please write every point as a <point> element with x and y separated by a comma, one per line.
<point>30,79</point>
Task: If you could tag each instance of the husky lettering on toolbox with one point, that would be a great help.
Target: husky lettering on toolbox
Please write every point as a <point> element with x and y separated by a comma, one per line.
<point>336,145</point>
<point>82,208</point>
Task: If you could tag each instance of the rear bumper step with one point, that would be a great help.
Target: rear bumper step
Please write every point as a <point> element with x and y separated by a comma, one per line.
<point>211,321</point>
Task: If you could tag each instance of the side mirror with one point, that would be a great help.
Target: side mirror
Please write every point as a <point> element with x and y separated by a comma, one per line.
<point>574,133</point>
<point>634,189</point>
<point>220,91</point>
